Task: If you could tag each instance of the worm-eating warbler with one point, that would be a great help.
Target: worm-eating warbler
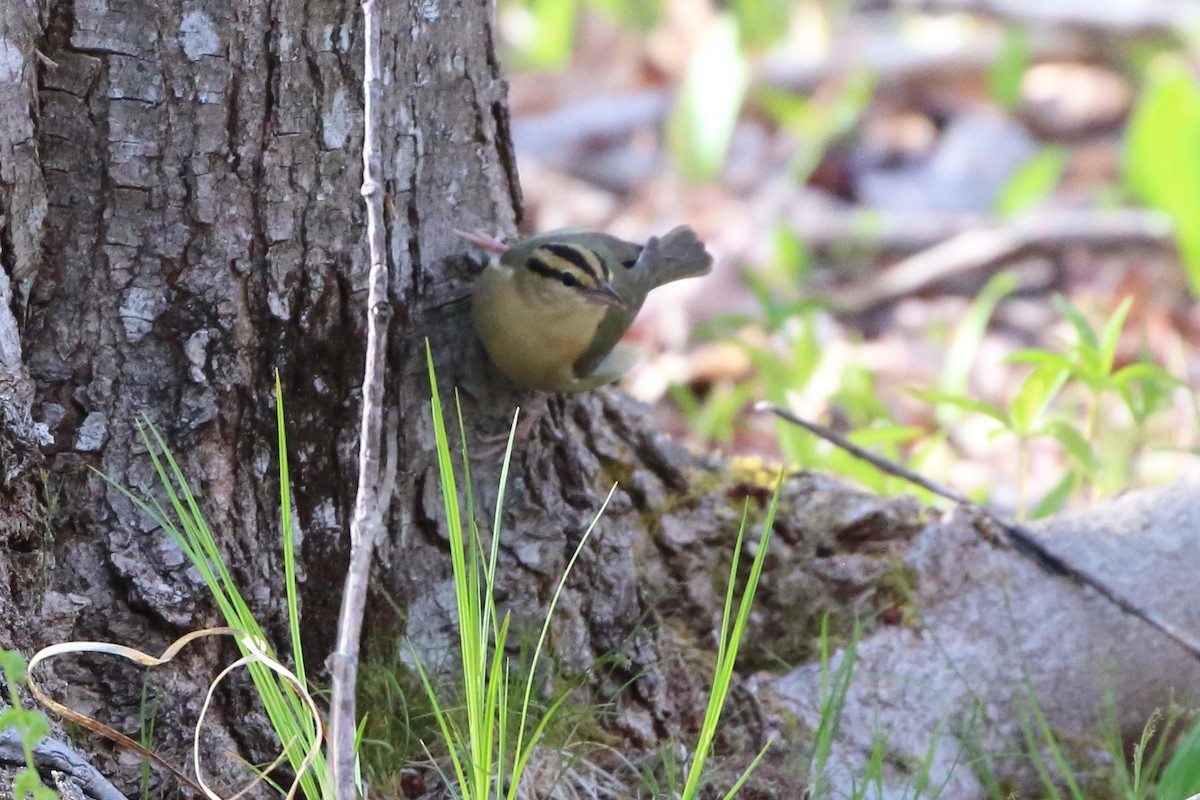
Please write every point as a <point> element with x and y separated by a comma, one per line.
<point>551,308</point>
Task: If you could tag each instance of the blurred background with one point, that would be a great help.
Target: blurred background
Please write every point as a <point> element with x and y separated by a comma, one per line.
<point>966,233</point>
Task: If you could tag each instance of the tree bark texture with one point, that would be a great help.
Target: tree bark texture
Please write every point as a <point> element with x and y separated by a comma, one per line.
<point>181,218</point>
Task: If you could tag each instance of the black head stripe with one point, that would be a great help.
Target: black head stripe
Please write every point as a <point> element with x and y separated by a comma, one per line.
<point>586,260</point>
<point>542,268</point>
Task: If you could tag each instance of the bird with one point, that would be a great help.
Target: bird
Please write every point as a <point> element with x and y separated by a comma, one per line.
<point>551,309</point>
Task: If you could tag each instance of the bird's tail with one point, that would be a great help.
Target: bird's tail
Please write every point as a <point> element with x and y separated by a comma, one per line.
<point>677,255</point>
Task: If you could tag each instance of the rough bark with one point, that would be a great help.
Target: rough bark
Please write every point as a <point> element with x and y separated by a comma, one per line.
<point>197,168</point>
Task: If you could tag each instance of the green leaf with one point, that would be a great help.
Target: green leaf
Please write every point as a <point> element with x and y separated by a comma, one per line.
<point>886,434</point>
<point>814,125</point>
<point>549,43</point>
<point>1074,443</point>
<point>1145,388</point>
<point>1162,154</point>
<point>1039,358</point>
<point>638,13</point>
<point>1009,66</point>
<point>706,111</point>
<point>762,22</point>
<point>27,783</point>
<point>965,346</point>
<point>1112,333</point>
<point>13,665</point>
<point>1143,372</point>
<point>721,326</point>
<point>1033,182</point>
<point>1083,328</point>
<point>1181,776</point>
<point>1036,393</point>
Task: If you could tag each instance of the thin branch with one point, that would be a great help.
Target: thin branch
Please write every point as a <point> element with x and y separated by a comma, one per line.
<point>1023,540</point>
<point>989,247</point>
<point>1146,18</point>
<point>370,505</point>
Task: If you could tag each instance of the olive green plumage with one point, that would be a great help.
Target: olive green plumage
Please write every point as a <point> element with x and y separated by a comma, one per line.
<point>551,309</point>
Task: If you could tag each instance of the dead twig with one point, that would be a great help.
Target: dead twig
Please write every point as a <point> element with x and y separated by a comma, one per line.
<point>370,504</point>
<point>1147,17</point>
<point>990,247</point>
<point>59,759</point>
<point>1022,539</point>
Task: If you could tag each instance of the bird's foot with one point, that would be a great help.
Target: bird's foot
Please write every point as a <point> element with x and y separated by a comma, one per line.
<point>493,445</point>
<point>493,244</point>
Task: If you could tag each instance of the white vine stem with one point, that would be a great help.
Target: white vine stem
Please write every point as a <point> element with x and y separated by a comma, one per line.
<point>370,503</point>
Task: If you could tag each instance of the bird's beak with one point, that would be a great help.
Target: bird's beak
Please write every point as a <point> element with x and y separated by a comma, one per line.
<point>604,295</point>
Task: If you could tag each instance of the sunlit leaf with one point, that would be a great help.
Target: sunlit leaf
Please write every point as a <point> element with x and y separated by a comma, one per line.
<point>762,22</point>
<point>1111,333</point>
<point>1033,182</point>
<point>709,101</point>
<point>1181,776</point>
<point>1073,442</point>
<point>965,403</point>
<point>1056,499</point>
<point>1162,154</point>
<point>965,346</point>
<point>1037,391</point>
<point>1009,67</point>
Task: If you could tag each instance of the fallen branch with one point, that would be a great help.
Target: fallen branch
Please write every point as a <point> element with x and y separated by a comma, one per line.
<point>985,248</point>
<point>1143,18</point>
<point>53,756</point>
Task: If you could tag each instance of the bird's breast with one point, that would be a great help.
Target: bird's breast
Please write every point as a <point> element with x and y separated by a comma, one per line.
<point>534,343</point>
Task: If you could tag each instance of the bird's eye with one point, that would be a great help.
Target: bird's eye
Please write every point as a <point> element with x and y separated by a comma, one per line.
<point>568,279</point>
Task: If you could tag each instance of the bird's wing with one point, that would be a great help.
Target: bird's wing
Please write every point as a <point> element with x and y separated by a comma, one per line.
<point>678,255</point>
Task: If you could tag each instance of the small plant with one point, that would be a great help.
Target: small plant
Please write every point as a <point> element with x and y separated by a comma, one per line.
<point>488,758</point>
<point>835,684</point>
<point>31,727</point>
<point>816,123</point>
<point>1040,740</point>
<point>486,762</point>
<point>733,627</point>
<point>1085,367</point>
<point>185,523</point>
<point>1145,772</point>
<point>1026,417</point>
<point>789,359</point>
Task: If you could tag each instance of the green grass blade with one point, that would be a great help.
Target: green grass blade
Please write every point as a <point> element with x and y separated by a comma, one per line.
<point>737,785</point>
<point>186,525</point>
<point>727,649</point>
<point>454,743</point>
<point>289,539</point>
